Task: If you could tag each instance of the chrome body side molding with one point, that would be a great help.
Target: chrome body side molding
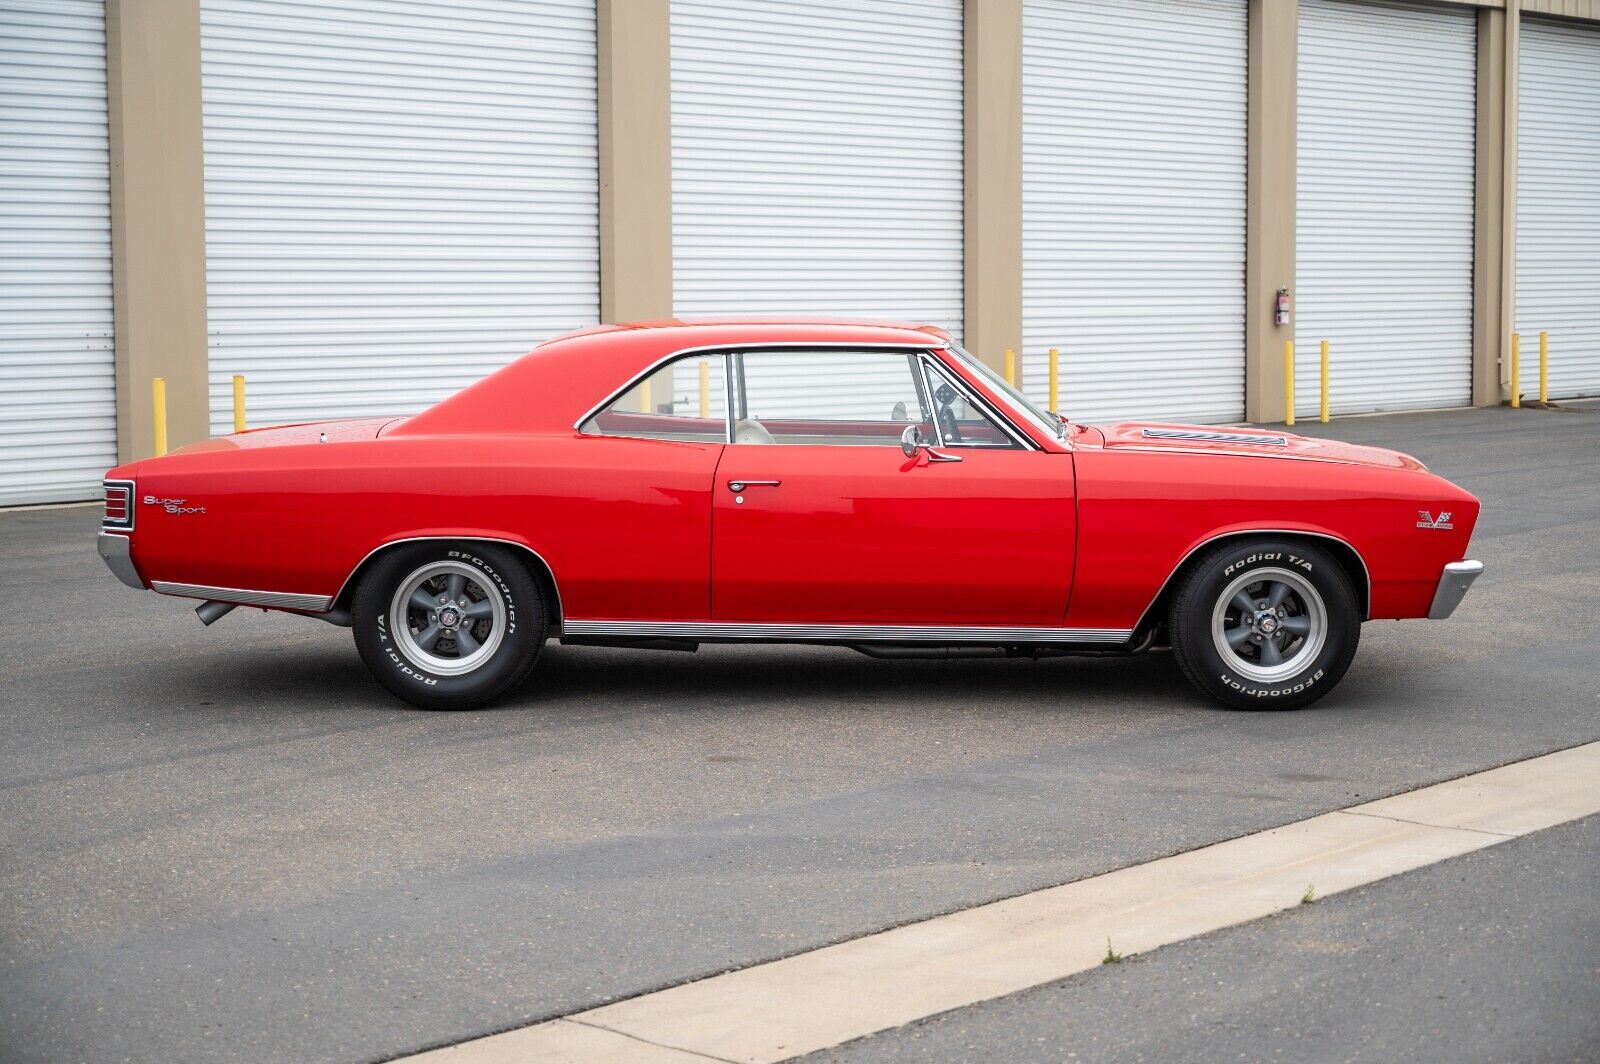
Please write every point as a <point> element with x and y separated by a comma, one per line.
<point>842,633</point>
<point>1454,581</point>
<point>277,600</point>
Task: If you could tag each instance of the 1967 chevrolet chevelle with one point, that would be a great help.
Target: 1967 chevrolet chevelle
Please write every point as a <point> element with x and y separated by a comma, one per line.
<point>864,485</point>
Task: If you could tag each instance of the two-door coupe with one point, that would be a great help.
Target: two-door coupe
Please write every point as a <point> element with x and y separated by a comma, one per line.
<point>864,485</point>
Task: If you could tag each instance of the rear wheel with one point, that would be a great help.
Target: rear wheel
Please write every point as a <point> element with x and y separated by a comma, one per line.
<point>1265,624</point>
<point>449,625</point>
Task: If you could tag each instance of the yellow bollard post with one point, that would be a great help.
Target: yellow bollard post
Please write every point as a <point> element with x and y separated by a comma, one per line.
<point>644,395</point>
<point>1055,381</point>
<point>1544,367</point>
<point>1323,410</point>
<point>1516,370</point>
<point>1288,382</point>
<point>705,388</point>
<point>238,403</point>
<point>158,399</point>
<point>1011,367</point>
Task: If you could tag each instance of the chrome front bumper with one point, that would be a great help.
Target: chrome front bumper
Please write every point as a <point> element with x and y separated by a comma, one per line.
<point>1453,584</point>
<point>114,549</point>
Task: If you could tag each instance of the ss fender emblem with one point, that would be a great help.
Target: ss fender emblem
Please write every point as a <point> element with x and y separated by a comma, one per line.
<point>174,506</point>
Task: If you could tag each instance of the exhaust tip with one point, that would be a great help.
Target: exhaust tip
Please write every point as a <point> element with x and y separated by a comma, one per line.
<point>212,612</point>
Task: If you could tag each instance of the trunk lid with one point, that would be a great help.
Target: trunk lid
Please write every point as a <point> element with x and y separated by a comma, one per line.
<point>364,428</point>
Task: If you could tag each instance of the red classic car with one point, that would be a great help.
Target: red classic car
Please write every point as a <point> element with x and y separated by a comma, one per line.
<point>872,486</point>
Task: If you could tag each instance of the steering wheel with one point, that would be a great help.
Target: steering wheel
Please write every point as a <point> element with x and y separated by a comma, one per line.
<point>944,398</point>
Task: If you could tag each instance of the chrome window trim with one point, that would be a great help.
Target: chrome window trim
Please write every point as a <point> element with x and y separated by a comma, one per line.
<point>730,412</point>
<point>281,600</point>
<point>1366,573</point>
<point>729,349</point>
<point>921,350</point>
<point>842,633</point>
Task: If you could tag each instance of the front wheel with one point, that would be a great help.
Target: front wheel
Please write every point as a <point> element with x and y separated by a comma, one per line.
<point>1265,624</point>
<point>449,625</point>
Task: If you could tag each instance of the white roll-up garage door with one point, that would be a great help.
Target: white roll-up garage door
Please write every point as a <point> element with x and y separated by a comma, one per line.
<point>817,158</point>
<point>58,427</point>
<point>1133,209</point>
<point>1558,205</point>
<point>399,197</point>
<point>1383,260</point>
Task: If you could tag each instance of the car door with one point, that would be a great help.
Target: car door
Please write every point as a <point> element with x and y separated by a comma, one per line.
<point>629,499</point>
<point>818,517</point>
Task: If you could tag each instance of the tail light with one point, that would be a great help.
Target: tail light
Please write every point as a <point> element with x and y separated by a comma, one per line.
<point>119,505</point>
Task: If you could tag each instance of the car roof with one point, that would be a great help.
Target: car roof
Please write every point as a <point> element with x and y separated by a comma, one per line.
<point>550,387</point>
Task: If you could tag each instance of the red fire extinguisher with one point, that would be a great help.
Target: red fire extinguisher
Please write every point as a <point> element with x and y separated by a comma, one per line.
<point>1282,315</point>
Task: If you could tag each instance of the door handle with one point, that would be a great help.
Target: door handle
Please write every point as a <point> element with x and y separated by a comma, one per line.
<point>736,486</point>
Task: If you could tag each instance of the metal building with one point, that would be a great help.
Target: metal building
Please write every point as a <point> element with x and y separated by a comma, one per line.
<point>362,205</point>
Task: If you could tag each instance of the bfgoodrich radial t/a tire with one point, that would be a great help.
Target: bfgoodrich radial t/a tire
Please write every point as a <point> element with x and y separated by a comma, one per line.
<point>448,625</point>
<point>1265,623</point>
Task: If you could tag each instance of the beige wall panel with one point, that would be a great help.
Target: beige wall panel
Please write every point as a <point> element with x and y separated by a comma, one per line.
<point>993,193</point>
<point>1270,208</point>
<point>1581,9</point>
<point>635,101</point>
<point>1488,255</point>
<point>157,218</point>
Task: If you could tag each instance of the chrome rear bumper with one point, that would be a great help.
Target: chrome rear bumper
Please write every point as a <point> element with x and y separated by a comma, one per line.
<point>1453,584</point>
<point>114,549</point>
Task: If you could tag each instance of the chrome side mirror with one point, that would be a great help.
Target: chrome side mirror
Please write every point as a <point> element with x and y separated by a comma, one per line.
<point>911,441</point>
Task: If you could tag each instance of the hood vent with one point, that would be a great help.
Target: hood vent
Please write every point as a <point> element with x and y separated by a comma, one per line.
<point>1215,437</point>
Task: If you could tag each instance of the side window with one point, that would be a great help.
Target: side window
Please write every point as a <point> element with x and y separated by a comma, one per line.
<point>683,400</point>
<point>837,397</point>
<point>960,423</point>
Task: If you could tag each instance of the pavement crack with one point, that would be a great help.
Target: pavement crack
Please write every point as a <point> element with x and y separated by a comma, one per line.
<point>648,1042</point>
<point>1424,824</point>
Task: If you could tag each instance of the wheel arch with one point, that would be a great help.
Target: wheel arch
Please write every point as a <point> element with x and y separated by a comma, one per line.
<point>540,569</point>
<point>1350,559</point>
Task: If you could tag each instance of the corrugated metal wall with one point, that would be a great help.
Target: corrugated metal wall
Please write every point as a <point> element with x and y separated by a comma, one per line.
<point>58,417</point>
<point>817,158</point>
<point>1558,205</point>
<point>1134,206</point>
<point>399,199</point>
<point>1383,263</point>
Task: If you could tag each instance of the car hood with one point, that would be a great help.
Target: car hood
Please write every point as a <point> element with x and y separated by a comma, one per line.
<point>1253,442</point>
<point>364,428</point>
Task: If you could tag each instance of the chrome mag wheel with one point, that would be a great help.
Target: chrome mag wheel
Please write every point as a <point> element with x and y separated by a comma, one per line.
<point>1269,624</point>
<point>446,619</point>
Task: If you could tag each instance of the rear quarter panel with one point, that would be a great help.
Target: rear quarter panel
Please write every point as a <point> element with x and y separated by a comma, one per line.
<point>1141,513</point>
<point>623,524</point>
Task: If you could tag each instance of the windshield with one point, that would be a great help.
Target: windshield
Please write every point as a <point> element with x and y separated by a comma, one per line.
<point>1045,420</point>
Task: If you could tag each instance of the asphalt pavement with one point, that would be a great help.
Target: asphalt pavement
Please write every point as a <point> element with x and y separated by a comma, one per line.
<point>1485,958</point>
<point>230,843</point>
